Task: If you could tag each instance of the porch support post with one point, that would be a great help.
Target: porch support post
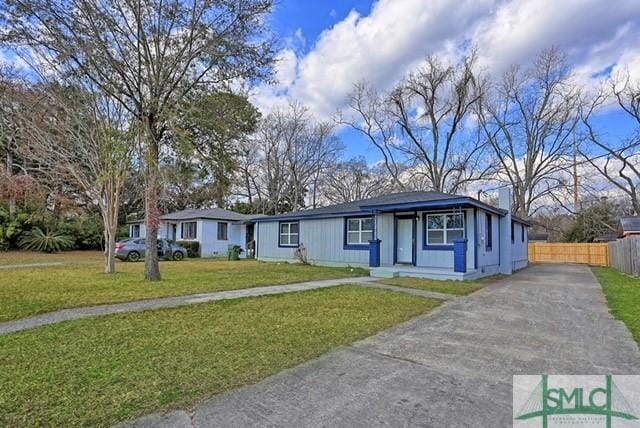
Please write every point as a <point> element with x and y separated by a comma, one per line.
<point>374,244</point>
<point>460,255</point>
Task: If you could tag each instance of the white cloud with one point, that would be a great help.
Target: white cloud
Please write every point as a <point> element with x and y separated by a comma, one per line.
<point>397,34</point>
<point>379,47</point>
<point>518,30</point>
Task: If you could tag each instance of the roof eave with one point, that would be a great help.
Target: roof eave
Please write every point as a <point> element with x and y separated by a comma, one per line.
<point>436,204</point>
<point>285,217</point>
<point>521,220</point>
<point>199,218</point>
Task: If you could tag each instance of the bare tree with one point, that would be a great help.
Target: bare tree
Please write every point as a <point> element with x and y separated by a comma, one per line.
<point>310,159</point>
<point>370,116</point>
<point>83,139</point>
<point>10,89</point>
<point>431,107</point>
<point>354,180</point>
<point>249,171</point>
<point>530,119</point>
<point>617,161</point>
<point>146,54</point>
<point>421,127</point>
<point>283,165</point>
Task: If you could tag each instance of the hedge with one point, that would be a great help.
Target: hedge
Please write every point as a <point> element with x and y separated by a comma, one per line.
<point>192,247</point>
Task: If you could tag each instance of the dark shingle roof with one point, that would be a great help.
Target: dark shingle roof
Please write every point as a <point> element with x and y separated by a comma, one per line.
<point>538,236</point>
<point>361,206</point>
<point>629,224</point>
<point>355,206</point>
<point>606,237</point>
<point>212,213</point>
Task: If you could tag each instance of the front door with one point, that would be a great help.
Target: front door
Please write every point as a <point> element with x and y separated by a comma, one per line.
<point>404,240</point>
<point>250,241</point>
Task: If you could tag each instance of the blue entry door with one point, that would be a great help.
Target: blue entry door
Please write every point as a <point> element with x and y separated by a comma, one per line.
<point>404,240</point>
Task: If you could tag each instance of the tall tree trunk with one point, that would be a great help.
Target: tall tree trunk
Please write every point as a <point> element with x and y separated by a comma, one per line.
<point>12,199</point>
<point>152,209</point>
<point>110,250</point>
<point>110,210</point>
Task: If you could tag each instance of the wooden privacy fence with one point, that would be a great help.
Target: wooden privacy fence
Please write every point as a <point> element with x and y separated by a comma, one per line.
<point>594,254</point>
<point>624,255</point>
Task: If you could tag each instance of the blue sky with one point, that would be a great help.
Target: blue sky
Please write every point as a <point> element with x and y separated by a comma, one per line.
<point>327,46</point>
<point>310,18</point>
<point>313,17</point>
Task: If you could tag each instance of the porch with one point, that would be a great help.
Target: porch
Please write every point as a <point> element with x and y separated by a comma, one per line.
<point>438,273</point>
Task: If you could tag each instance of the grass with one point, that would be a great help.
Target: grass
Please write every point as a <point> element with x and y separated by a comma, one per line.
<point>29,257</point>
<point>81,282</point>
<point>623,296</point>
<point>99,371</point>
<point>459,288</point>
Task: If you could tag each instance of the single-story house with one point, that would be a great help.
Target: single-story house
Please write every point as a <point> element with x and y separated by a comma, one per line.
<point>215,229</point>
<point>422,234</point>
<point>628,226</point>
<point>538,237</point>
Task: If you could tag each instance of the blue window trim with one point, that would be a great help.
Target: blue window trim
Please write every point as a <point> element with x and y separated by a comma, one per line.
<point>513,232</point>
<point>522,232</point>
<point>488,225</point>
<point>289,245</point>
<point>344,234</point>
<point>440,247</point>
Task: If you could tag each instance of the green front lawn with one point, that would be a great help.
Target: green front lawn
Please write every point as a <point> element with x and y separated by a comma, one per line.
<point>459,288</point>
<point>623,296</point>
<point>81,282</point>
<point>98,371</point>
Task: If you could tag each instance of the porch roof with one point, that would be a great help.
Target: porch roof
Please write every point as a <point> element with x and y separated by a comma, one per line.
<point>458,202</point>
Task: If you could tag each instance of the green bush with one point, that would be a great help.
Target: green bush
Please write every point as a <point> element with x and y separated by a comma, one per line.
<point>85,231</point>
<point>123,232</point>
<point>192,247</point>
<point>11,230</point>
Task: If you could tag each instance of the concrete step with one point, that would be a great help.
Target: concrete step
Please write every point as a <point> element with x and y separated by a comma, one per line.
<point>420,272</point>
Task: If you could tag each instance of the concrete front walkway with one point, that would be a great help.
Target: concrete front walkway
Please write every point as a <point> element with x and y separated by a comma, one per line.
<point>450,368</point>
<point>169,302</point>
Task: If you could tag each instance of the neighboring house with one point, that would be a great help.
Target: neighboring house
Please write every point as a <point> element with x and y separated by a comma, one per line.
<point>628,226</point>
<point>215,229</point>
<point>538,237</point>
<point>607,237</point>
<point>424,234</point>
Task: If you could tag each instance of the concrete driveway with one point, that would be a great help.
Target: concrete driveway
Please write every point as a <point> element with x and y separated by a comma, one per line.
<point>450,368</point>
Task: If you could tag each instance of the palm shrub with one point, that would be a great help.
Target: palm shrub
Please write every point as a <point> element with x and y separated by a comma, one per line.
<point>47,241</point>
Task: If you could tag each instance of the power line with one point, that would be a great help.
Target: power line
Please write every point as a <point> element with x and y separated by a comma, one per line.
<point>559,168</point>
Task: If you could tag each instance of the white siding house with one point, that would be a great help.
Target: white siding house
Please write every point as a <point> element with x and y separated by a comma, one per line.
<point>424,234</point>
<point>215,229</point>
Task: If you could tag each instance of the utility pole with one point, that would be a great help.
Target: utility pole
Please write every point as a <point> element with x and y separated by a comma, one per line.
<point>576,199</point>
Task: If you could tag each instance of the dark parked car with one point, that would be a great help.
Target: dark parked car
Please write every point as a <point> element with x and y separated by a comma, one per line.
<point>133,250</point>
